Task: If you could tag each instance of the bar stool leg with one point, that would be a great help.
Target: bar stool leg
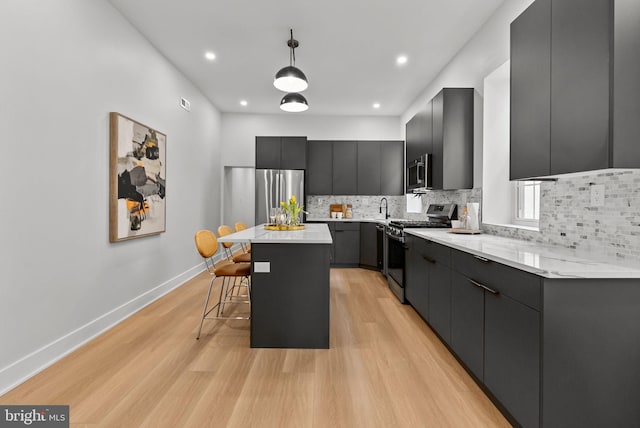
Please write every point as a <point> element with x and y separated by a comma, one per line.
<point>206,304</point>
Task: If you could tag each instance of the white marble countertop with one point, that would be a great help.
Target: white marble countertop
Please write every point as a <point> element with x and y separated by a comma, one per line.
<point>311,234</point>
<point>545,260</point>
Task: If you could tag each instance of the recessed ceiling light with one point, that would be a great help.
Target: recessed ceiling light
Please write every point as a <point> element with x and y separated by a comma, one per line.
<point>243,103</point>
<point>210,56</point>
<point>401,60</point>
<point>376,105</point>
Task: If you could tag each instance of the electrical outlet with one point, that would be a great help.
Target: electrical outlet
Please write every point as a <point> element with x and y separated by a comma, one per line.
<point>261,267</point>
<point>597,195</point>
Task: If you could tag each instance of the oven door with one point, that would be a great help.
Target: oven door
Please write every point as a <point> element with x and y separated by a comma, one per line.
<point>395,266</point>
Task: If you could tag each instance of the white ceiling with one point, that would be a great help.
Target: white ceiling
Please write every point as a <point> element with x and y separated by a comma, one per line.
<point>348,48</point>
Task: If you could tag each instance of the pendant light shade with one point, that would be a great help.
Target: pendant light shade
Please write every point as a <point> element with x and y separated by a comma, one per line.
<point>291,79</point>
<point>293,103</point>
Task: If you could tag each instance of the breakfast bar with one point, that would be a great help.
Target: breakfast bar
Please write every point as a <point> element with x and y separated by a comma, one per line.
<point>289,286</point>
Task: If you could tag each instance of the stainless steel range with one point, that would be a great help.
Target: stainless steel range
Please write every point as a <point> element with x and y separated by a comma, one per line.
<point>438,216</point>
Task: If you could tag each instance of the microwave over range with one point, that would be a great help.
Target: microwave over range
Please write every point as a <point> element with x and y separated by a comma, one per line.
<point>419,174</point>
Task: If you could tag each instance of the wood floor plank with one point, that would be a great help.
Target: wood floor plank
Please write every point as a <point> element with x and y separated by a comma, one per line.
<point>385,368</point>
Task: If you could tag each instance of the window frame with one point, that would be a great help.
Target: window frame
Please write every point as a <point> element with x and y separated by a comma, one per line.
<point>519,201</point>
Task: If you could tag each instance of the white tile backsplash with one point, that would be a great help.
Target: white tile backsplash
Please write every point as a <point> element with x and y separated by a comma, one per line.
<point>566,215</point>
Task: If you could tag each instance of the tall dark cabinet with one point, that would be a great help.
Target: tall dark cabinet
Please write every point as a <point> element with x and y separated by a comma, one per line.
<point>419,133</point>
<point>444,129</point>
<point>574,71</point>
<point>452,146</point>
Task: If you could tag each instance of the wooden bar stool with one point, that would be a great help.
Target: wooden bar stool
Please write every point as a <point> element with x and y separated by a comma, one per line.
<point>225,230</point>
<point>207,246</point>
<point>241,226</point>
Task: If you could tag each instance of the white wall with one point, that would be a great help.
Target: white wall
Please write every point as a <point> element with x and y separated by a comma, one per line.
<point>239,131</point>
<point>497,195</point>
<point>239,199</point>
<point>485,51</point>
<point>65,66</point>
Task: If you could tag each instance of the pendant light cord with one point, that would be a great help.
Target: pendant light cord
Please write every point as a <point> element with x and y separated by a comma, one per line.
<point>292,50</point>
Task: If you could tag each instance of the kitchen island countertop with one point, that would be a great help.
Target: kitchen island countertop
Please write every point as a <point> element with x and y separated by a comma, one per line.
<point>549,261</point>
<point>311,234</point>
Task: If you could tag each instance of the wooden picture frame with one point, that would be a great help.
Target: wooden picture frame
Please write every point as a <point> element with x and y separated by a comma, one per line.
<point>137,179</point>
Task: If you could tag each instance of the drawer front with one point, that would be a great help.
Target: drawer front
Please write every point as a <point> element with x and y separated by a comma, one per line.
<point>440,253</point>
<point>521,286</point>
<point>347,226</point>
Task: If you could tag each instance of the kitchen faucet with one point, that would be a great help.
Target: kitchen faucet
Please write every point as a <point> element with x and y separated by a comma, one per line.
<point>386,208</point>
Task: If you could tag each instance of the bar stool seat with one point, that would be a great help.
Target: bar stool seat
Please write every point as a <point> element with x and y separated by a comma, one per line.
<point>242,258</point>
<point>240,269</point>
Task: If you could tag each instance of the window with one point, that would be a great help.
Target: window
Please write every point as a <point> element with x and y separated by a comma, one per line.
<point>527,203</point>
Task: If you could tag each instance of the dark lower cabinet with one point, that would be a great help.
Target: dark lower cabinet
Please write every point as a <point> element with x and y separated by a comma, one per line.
<point>416,280</point>
<point>440,299</point>
<point>347,244</point>
<point>467,323</point>
<point>368,245</point>
<point>512,356</point>
<point>550,352</point>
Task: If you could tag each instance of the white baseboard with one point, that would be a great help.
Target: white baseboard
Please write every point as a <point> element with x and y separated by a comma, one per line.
<point>19,371</point>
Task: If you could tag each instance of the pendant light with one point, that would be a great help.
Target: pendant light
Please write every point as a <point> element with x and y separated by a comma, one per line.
<point>294,103</point>
<point>291,78</point>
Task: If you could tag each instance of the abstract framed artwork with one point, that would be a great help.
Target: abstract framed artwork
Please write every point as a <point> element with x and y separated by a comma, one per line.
<point>137,179</point>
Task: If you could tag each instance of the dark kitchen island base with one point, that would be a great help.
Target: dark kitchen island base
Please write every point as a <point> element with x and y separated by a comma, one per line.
<point>290,303</point>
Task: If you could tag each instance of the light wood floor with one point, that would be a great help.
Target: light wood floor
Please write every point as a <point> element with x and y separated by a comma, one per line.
<point>385,368</point>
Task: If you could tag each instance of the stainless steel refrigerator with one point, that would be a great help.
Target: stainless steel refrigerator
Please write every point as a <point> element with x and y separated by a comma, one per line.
<point>275,185</point>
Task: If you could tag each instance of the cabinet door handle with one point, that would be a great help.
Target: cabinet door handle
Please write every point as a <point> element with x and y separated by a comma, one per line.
<point>482,259</point>
<point>339,231</point>
<point>429,259</point>
<point>490,290</point>
<point>406,247</point>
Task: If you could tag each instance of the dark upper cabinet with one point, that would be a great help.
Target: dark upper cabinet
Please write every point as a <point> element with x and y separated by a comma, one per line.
<point>392,168</point>
<point>419,133</point>
<point>281,152</point>
<point>293,153</point>
<point>369,165</point>
<point>580,61</point>
<point>355,168</point>
<point>320,168</point>
<point>345,168</point>
<point>531,92</point>
<point>267,152</point>
<point>368,245</point>
<point>592,52</point>
<point>452,148</point>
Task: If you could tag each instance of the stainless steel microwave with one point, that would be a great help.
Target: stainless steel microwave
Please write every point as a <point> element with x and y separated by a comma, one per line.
<point>419,174</point>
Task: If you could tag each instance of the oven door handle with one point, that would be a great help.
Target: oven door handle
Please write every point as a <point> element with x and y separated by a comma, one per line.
<point>395,238</point>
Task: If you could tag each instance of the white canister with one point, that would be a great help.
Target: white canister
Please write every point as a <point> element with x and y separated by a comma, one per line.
<point>473,215</point>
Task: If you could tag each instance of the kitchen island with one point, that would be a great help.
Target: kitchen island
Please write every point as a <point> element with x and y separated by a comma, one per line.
<point>289,286</point>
